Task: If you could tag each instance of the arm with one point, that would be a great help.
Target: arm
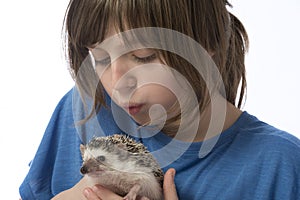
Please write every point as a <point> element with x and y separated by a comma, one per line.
<point>74,193</point>
<point>98,192</point>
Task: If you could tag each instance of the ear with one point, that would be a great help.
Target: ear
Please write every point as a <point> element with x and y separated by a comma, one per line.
<point>82,149</point>
<point>122,146</point>
<point>123,155</point>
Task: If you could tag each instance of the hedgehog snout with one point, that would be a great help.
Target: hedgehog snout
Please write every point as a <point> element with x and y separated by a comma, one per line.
<point>84,170</point>
<point>89,166</point>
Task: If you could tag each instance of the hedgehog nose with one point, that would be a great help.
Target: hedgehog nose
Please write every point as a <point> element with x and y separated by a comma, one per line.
<point>83,170</point>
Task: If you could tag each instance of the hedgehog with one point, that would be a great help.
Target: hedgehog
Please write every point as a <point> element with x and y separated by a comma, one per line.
<point>122,165</point>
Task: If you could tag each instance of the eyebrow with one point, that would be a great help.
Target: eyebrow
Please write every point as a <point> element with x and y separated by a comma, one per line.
<point>128,39</point>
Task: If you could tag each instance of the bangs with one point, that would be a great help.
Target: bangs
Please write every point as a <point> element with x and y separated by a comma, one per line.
<point>97,17</point>
<point>87,22</point>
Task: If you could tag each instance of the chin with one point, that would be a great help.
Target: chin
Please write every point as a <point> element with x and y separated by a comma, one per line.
<point>141,122</point>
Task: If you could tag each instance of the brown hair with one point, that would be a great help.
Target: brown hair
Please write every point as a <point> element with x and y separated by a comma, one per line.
<point>206,21</point>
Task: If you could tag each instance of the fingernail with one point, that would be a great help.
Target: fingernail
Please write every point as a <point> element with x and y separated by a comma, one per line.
<point>173,173</point>
<point>95,188</point>
<point>86,193</point>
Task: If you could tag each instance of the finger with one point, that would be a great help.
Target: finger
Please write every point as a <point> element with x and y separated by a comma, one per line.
<point>90,194</point>
<point>104,193</point>
<point>169,187</point>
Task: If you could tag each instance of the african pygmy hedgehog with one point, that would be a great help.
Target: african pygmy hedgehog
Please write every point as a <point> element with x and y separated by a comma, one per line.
<point>122,165</point>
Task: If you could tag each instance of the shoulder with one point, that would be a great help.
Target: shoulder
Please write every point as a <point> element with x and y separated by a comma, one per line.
<point>268,157</point>
<point>65,102</point>
<point>265,140</point>
<point>55,166</point>
<point>266,133</point>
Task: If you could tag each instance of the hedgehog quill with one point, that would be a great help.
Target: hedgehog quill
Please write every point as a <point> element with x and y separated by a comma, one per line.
<point>122,165</point>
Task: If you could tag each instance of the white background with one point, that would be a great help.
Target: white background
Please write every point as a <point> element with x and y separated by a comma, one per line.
<point>34,75</point>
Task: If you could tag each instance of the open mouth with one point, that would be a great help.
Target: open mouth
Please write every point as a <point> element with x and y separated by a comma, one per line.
<point>133,109</point>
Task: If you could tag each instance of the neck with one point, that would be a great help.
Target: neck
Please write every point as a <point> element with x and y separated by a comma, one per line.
<point>218,116</point>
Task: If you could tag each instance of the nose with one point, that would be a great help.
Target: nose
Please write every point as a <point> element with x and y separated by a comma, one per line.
<point>83,170</point>
<point>123,81</point>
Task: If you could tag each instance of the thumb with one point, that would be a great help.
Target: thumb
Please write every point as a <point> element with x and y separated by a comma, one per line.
<point>169,187</point>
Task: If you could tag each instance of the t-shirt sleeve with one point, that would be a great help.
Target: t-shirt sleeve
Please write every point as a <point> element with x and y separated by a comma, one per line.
<point>59,147</point>
<point>286,174</point>
<point>57,162</point>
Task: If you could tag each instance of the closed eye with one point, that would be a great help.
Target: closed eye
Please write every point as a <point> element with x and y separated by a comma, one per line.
<point>103,62</point>
<point>146,59</point>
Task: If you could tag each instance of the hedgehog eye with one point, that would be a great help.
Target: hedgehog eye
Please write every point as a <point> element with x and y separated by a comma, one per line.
<point>101,158</point>
<point>140,162</point>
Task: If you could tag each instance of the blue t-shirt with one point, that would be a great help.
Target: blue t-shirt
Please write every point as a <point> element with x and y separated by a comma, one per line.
<point>251,160</point>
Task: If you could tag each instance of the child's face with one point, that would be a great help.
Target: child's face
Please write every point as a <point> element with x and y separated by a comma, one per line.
<point>136,81</point>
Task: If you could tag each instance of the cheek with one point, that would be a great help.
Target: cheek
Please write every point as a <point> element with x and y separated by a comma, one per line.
<point>160,95</point>
<point>105,79</point>
<point>161,105</point>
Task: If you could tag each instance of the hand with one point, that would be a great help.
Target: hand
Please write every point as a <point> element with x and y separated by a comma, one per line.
<point>98,192</point>
<point>76,192</point>
<point>169,187</point>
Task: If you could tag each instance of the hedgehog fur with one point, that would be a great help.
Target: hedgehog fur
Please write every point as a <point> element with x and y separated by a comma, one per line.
<point>122,165</point>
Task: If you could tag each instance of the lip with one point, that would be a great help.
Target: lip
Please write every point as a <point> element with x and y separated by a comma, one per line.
<point>133,109</point>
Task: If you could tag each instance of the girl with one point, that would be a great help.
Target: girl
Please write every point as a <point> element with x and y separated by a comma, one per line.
<point>171,75</point>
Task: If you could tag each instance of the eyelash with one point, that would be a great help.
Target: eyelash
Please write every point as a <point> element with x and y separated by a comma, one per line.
<point>103,62</point>
<point>146,59</point>
<point>106,61</point>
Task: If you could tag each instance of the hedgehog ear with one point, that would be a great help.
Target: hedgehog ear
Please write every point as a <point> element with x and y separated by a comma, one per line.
<point>122,152</point>
<point>122,146</point>
<point>82,149</point>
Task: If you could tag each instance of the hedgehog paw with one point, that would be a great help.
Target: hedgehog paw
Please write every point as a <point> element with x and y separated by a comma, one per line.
<point>132,194</point>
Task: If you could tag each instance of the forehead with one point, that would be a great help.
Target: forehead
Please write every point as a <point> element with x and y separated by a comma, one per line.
<point>92,153</point>
<point>118,43</point>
